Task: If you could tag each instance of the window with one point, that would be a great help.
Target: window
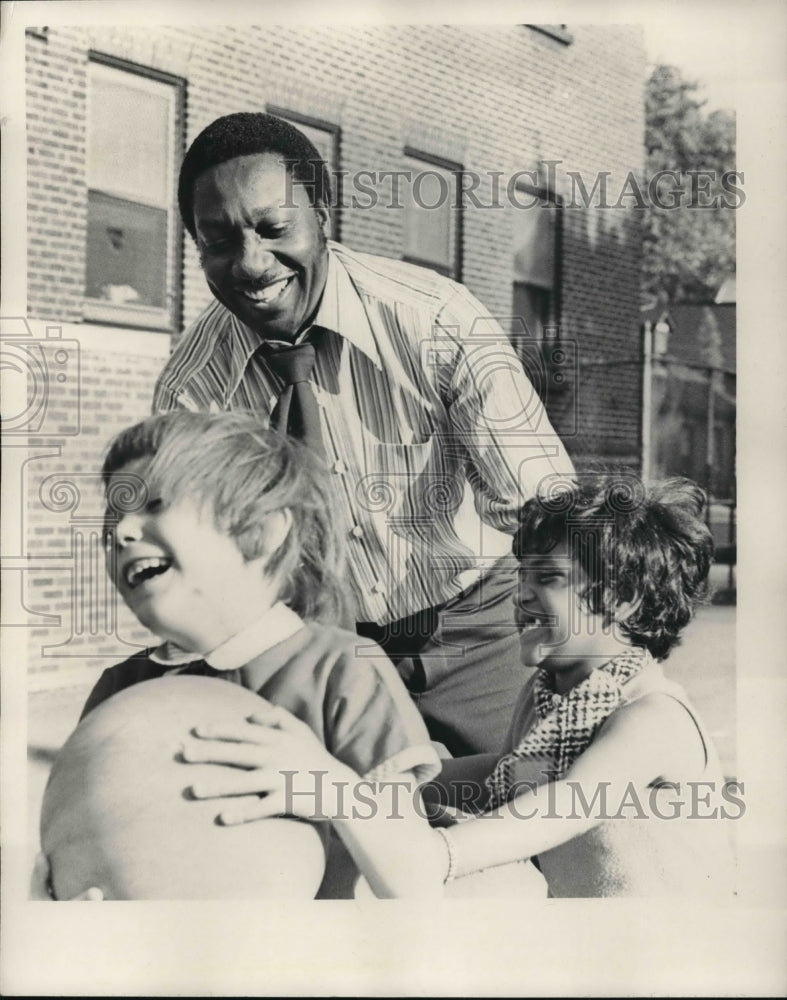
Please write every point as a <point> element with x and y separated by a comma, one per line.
<point>326,139</point>
<point>133,240</point>
<point>536,262</point>
<point>432,220</point>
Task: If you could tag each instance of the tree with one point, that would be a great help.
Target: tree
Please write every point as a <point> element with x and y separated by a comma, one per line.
<point>689,249</point>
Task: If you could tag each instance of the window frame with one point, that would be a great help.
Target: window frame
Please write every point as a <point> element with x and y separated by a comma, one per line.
<point>297,118</point>
<point>456,170</point>
<point>157,320</point>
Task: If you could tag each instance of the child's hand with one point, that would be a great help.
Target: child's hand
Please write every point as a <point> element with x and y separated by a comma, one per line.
<point>269,746</point>
<point>39,884</point>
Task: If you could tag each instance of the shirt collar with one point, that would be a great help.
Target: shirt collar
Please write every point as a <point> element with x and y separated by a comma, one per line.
<point>276,625</point>
<point>241,343</point>
<point>342,311</point>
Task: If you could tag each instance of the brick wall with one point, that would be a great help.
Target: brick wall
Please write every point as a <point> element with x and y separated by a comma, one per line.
<point>498,98</point>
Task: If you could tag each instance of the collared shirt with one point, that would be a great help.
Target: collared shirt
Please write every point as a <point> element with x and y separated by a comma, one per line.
<point>271,628</point>
<point>423,402</point>
<point>346,690</point>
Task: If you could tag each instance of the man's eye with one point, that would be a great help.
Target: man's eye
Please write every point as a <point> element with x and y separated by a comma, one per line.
<point>548,577</point>
<point>271,230</point>
<point>154,505</point>
<point>218,245</point>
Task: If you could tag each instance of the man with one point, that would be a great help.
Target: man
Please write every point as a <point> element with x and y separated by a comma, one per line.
<point>420,399</point>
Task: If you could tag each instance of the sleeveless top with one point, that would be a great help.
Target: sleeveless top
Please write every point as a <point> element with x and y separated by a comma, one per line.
<point>671,839</point>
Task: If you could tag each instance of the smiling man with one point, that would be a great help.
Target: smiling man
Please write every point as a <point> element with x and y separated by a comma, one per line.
<point>432,433</point>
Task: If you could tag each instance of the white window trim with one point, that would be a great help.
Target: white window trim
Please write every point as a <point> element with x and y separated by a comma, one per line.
<point>99,339</point>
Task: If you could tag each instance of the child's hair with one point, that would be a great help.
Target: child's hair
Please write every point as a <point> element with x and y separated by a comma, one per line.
<point>648,547</point>
<point>241,472</point>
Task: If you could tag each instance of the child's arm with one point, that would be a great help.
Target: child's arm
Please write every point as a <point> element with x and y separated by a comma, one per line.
<point>651,738</point>
<point>285,763</point>
<point>460,784</point>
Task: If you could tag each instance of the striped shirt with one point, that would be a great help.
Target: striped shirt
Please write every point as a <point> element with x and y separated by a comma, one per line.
<point>433,433</point>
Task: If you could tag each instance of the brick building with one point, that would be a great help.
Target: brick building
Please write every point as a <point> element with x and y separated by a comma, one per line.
<point>522,119</point>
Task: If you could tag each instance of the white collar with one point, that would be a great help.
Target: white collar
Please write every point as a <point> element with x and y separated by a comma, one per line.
<point>341,308</point>
<point>276,625</point>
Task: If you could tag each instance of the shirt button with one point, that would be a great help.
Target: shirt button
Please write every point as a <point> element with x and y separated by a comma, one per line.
<point>378,588</point>
<point>356,531</point>
<point>338,467</point>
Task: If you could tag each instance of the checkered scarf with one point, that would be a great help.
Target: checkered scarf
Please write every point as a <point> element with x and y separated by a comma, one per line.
<point>566,723</point>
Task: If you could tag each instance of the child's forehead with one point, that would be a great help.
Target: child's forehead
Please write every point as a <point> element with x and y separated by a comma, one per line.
<point>558,556</point>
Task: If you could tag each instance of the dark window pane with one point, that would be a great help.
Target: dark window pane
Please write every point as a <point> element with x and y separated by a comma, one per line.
<point>534,241</point>
<point>430,234</point>
<point>126,252</point>
<point>428,216</point>
<point>533,306</point>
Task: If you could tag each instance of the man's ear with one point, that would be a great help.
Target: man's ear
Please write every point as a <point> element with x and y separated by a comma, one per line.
<point>277,527</point>
<point>323,219</point>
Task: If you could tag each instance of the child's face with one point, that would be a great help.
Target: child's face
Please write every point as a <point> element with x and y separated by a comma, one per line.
<point>180,576</point>
<point>557,630</point>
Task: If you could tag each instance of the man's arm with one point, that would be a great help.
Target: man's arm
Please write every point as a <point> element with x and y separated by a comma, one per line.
<point>197,375</point>
<point>497,416</point>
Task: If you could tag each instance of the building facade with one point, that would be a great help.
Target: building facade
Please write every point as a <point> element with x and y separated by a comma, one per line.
<point>478,151</point>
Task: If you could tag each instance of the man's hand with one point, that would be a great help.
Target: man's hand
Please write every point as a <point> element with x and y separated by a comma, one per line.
<point>269,746</point>
<point>40,886</point>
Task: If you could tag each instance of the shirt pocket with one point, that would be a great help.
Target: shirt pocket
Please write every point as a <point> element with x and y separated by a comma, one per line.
<point>408,481</point>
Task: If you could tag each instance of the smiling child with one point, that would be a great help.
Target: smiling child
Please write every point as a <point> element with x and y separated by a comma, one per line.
<point>222,539</point>
<point>608,777</point>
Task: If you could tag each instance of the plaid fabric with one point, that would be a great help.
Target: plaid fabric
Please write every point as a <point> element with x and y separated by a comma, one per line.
<point>566,723</point>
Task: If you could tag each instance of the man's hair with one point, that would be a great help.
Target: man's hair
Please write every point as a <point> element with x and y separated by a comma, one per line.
<point>246,133</point>
<point>647,547</point>
<point>240,472</point>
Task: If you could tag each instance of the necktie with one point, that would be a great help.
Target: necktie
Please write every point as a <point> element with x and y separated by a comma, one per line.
<point>296,412</point>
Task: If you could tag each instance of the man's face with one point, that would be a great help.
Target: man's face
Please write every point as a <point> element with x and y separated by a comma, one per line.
<point>262,244</point>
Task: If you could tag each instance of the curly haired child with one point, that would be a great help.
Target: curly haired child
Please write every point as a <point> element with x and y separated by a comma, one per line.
<point>608,778</point>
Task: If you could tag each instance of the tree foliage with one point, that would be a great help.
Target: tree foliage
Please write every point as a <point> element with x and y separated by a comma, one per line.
<point>690,249</point>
